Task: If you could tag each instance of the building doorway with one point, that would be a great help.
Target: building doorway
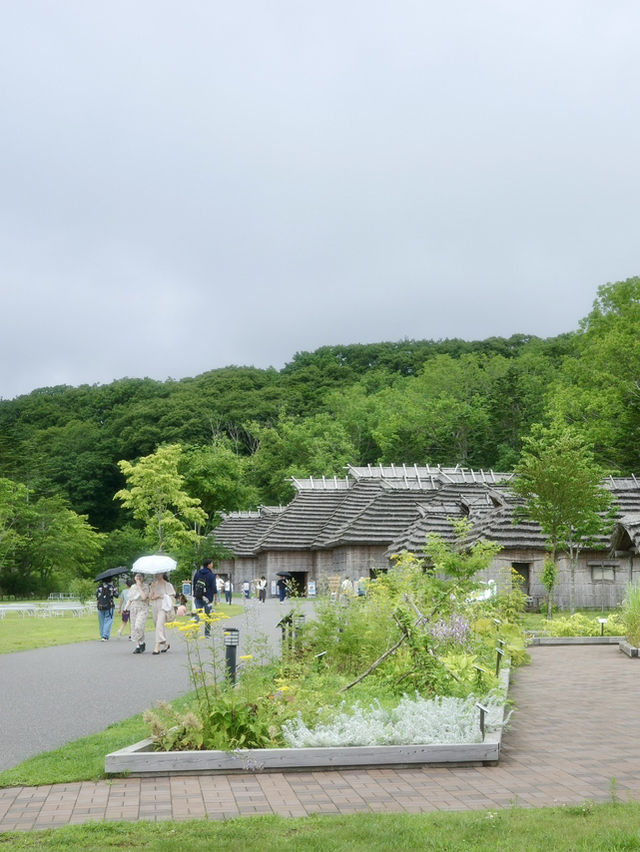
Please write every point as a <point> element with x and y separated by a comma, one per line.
<point>523,569</point>
<point>298,584</point>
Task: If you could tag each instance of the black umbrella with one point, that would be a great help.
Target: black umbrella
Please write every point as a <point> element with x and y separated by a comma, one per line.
<point>112,572</point>
<point>284,574</point>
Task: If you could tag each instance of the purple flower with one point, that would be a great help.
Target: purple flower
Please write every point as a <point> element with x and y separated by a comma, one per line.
<point>456,630</point>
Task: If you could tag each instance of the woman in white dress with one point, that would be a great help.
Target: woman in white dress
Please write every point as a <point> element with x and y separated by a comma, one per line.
<point>162,597</point>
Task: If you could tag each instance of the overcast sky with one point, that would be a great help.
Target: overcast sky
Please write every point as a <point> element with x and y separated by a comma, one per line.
<point>186,185</point>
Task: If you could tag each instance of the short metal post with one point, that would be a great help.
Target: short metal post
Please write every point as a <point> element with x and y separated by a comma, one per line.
<point>482,710</point>
<point>499,656</point>
<point>231,639</point>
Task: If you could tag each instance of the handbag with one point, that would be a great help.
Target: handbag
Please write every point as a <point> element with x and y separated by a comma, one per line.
<point>167,603</point>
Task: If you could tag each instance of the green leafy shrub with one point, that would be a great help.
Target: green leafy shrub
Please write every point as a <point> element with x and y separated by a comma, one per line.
<point>631,614</point>
<point>579,624</point>
<point>83,590</point>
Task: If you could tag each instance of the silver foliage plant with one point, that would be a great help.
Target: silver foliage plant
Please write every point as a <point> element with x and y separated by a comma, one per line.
<point>441,720</point>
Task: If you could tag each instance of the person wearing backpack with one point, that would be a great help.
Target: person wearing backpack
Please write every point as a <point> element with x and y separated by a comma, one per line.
<point>204,590</point>
<point>105,593</point>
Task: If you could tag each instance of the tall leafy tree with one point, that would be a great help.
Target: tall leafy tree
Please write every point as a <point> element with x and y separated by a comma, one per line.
<point>43,543</point>
<point>218,477</point>
<point>599,391</point>
<point>561,484</point>
<point>313,446</point>
<point>442,415</point>
<point>156,497</point>
<point>63,544</point>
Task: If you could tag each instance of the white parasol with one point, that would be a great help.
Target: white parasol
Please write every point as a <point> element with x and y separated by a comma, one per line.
<point>157,563</point>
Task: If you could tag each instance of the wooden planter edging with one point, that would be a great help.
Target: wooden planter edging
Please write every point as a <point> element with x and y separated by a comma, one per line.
<point>140,759</point>
<point>626,648</point>
<point>576,640</point>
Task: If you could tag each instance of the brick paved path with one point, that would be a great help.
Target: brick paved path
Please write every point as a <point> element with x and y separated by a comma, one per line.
<point>572,736</point>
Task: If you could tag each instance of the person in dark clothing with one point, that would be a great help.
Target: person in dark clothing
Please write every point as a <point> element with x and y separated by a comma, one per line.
<point>105,593</point>
<point>282,588</point>
<point>204,590</point>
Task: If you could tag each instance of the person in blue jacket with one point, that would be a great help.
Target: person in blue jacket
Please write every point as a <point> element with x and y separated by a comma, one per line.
<point>204,590</point>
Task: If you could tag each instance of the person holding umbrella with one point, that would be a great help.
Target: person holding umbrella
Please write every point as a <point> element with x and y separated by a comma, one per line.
<point>158,564</point>
<point>282,585</point>
<point>138,606</point>
<point>105,593</point>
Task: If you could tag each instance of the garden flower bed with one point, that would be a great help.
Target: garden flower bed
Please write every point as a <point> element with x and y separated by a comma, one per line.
<point>140,759</point>
<point>413,673</point>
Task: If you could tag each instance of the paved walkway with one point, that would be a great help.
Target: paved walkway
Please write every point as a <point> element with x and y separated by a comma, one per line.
<point>572,740</point>
<point>52,696</point>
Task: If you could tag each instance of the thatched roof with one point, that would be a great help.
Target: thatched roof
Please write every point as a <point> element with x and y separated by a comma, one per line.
<point>397,506</point>
<point>626,533</point>
<point>240,532</point>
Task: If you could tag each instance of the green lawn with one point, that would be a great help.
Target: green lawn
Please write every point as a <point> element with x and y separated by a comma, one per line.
<point>539,621</point>
<point>81,760</point>
<point>582,828</point>
<point>19,633</point>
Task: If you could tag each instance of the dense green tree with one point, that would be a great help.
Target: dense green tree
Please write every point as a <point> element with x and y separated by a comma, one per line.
<point>62,545</point>
<point>561,484</point>
<point>313,446</point>
<point>14,515</point>
<point>78,461</point>
<point>217,476</point>
<point>121,547</point>
<point>442,415</point>
<point>156,497</point>
<point>359,411</point>
<point>519,397</point>
<point>43,543</point>
<point>599,390</point>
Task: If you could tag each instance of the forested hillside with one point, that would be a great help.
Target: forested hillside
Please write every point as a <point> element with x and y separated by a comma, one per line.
<point>242,430</point>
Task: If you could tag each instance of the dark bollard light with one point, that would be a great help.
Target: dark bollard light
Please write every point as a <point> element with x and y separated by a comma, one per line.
<point>231,638</point>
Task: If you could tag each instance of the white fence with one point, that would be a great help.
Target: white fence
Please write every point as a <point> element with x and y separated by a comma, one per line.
<point>48,609</point>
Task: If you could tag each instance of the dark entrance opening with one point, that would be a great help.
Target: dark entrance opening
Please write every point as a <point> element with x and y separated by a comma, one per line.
<point>524,570</point>
<point>297,583</point>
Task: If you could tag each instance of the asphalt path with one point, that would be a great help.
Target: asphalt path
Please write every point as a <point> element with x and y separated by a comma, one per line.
<point>52,696</point>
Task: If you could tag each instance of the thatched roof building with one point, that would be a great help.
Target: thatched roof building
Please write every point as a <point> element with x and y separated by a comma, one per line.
<point>354,526</point>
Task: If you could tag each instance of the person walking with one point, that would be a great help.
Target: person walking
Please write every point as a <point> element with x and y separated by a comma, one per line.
<point>219,587</point>
<point>204,591</point>
<point>123,597</point>
<point>162,597</point>
<point>262,589</point>
<point>228,589</point>
<point>346,590</point>
<point>282,588</point>
<point>138,606</point>
<point>105,593</point>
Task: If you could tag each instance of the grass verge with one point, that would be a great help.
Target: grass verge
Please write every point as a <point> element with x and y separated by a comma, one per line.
<point>582,828</point>
<point>539,620</point>
<point>80,760</point>
<point>25,634</point>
